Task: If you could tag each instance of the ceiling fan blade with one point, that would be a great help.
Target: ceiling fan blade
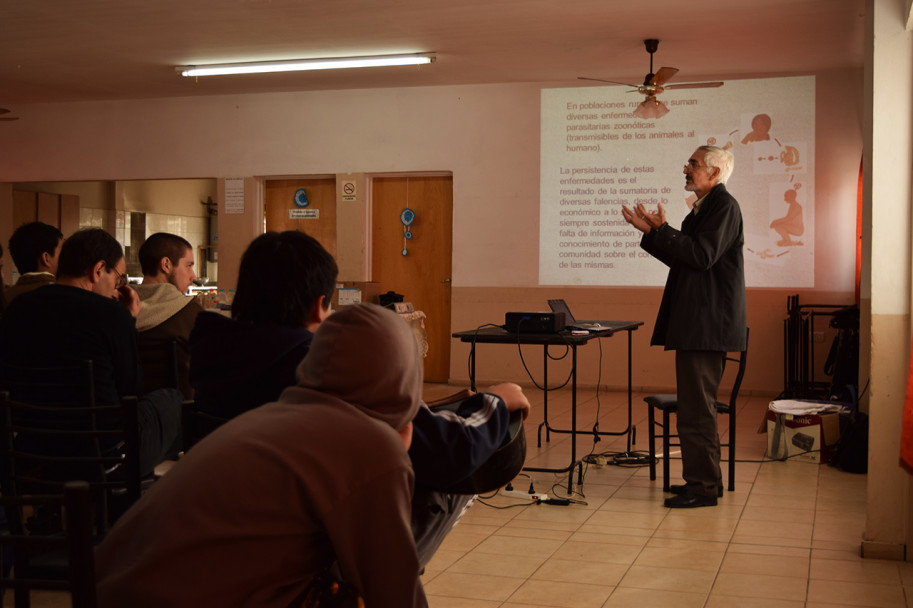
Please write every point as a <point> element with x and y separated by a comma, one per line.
<point>663,75</point>
<point>694,85</point>
<point>608,81</point>
<point>8,118</point>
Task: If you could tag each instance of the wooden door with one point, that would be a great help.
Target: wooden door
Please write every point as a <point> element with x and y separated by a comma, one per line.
<point>423,274</point>
<point>279,200</point>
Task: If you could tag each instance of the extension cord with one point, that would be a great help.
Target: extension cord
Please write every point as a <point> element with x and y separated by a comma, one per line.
<point>522,494</point>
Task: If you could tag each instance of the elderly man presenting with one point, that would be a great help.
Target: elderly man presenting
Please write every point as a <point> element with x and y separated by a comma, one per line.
<point>702,313</point>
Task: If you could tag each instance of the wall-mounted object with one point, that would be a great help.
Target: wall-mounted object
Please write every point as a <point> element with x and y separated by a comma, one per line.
<point>407,217</point>
<point>301,198</point>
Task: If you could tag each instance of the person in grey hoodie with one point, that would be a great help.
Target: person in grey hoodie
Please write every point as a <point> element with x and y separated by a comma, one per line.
<point>280,493</point>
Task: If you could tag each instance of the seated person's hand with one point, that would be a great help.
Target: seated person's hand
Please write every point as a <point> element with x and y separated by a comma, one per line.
<point>512,395</point>
<point>130,299</point>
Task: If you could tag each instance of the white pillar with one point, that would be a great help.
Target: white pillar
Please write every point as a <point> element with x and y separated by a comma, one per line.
<point>886,279</point>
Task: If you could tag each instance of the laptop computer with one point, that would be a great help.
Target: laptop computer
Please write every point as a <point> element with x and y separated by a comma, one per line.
<point>560,305</point>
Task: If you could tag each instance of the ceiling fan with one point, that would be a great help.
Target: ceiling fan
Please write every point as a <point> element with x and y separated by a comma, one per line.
<point>5,111</point>
<point>654,84</point>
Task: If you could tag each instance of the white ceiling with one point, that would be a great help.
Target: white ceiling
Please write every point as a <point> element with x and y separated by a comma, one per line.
<point>75,50</point>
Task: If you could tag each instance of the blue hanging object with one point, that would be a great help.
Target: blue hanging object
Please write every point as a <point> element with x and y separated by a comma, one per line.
<point>301,198</point>
<point>406,217</point>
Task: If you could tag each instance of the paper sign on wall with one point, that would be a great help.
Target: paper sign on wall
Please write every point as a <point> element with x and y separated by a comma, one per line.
<point>234,195</point>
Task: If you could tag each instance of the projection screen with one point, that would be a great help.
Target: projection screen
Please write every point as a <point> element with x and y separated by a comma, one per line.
<point>596,156</point>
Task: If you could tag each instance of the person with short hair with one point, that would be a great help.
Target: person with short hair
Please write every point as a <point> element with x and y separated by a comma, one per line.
<point>285,287</point>
<point>702,315</point>
<point>89,313</point>
<point>35,248</point>
<point>168,314</point>
<point>317,481</point>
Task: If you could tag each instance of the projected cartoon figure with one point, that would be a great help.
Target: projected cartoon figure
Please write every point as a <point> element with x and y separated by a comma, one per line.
<point>790,224</point>
<point>760,129</point>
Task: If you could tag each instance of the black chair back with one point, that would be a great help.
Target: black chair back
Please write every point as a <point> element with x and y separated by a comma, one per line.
<point>35,557</point>
<point>44,446</point>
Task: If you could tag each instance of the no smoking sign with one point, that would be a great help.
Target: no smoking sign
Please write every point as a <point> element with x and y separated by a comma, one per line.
<point>349,191</point>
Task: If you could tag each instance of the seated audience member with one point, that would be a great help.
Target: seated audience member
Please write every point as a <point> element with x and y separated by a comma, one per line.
<point>272,498</point>
<point>167,314</point>
<point>285,283</point>
<point>34,247</point>
<point>89,314</point>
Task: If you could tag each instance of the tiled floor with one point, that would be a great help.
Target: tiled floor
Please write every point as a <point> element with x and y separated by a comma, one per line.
<point>789,535</point>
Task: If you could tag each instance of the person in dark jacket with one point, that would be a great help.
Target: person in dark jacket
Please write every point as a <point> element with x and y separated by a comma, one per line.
<point>89,313</point>
<point>702,313</point>
<point>285,283</point>
<point>35,249</point>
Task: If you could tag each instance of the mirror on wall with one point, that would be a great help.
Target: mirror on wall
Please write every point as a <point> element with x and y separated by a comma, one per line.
<point>131,211</point>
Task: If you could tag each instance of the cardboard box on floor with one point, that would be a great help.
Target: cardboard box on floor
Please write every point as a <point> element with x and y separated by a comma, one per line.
<point>805,438</point>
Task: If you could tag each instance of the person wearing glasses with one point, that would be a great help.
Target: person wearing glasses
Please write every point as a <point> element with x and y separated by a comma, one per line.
<point>90,313</point>
<point>702,313</point>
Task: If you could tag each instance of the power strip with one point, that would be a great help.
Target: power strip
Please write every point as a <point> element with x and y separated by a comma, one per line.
<point>524,495</point>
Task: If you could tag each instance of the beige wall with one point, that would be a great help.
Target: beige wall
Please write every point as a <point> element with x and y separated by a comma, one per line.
<point>166,197</point>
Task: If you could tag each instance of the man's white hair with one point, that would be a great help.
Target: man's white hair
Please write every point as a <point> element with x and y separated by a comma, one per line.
<point>720,159</point>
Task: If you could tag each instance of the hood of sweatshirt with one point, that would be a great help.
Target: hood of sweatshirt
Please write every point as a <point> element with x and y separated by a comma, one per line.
<point>161,301</point>
<point>367,356</point>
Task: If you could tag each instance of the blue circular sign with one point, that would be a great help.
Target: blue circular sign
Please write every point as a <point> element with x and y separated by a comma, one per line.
<point>301,198</point>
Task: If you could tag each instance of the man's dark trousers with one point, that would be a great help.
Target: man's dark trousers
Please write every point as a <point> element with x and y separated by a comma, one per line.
<point>698,375</point>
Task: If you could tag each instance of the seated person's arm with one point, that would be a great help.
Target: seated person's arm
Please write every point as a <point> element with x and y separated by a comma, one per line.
<point>448,447</point>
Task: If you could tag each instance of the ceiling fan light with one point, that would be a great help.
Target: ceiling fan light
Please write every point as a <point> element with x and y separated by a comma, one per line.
<point>651,108</point>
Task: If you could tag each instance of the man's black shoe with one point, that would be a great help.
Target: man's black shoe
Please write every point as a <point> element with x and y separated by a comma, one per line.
<point>689,501</point>
<point>683,489</point>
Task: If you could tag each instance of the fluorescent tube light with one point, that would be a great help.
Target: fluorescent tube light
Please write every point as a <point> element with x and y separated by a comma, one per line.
<point>295,65</point>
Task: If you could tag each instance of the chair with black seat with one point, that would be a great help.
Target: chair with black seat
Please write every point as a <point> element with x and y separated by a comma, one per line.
<point>43,446</point>
<point>668,405</point>
<point>36,558</point>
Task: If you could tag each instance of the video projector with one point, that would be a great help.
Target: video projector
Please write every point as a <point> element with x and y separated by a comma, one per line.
<point>534,322</point>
